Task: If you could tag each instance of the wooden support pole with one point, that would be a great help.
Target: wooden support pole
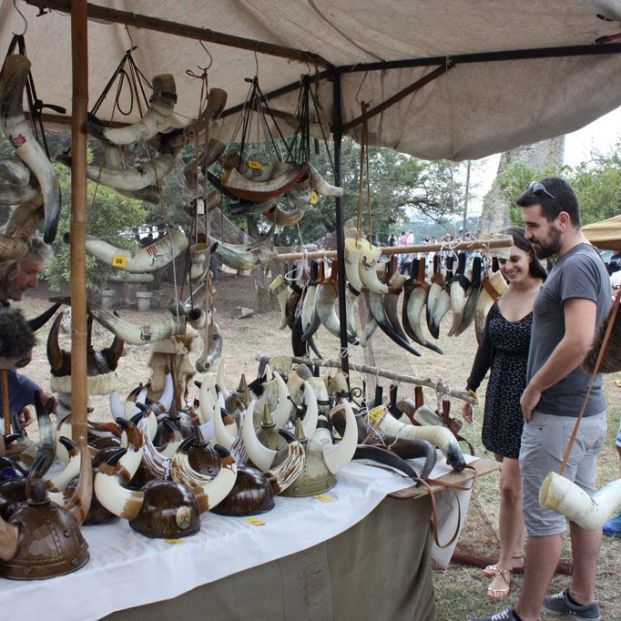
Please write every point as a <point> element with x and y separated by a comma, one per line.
<point>135,20</point>
<point>6,408</point>
<point>79,63</point>
<point>476,244</point>
<point>438,385</point>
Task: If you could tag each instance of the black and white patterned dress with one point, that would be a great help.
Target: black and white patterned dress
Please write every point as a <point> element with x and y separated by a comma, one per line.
<point>504,350</point>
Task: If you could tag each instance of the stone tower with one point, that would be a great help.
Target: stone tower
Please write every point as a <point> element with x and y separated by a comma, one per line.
<point>539,156</point>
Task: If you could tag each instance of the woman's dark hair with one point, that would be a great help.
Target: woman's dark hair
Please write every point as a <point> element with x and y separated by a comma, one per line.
<point>536,269</point>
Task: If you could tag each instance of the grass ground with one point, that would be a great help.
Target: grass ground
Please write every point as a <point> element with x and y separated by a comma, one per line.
<point>460,590</point>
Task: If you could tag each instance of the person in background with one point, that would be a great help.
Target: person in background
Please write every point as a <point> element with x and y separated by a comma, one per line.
<point>571,304</point>
<point>504,350</point>
<point>16,278</point>
<point>392,240</point>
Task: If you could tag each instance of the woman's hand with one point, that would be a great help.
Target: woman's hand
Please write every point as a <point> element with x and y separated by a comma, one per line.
<point>466,412</point>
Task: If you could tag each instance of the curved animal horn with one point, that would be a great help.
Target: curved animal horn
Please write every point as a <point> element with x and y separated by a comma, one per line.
<point>157,118</point>
<point>212,349</point>
<point>261,456</point>
<point>169,392</point>
<point>285,408</point>
<point>309,423</point>
<point>138,395</point>
<point>140,335</point>
<point>223,435</point>
<point>17,129</point>
<point>590,512</point>
<point>335,457</point>
<point>60,360</point>
<point>139,260</point>
<point>367,269</point>
<point>110,493</point>
<point>206,403</point>
<point>80,501</point>
<point>212,490</point>
<point>59,482</point>
<point>43,318</point>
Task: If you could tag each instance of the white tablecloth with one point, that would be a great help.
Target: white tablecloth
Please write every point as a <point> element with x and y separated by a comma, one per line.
<point>127,569</point>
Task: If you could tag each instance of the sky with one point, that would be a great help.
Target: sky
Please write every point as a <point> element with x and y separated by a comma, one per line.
<point>600,135</point>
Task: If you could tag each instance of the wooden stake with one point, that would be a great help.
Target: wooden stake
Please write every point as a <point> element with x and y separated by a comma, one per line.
<point>79,62</point>
<point>6,408</point>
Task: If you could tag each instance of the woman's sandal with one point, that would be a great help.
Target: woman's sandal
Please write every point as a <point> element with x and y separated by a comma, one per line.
<point>502,580</point>
<point>517,562</point>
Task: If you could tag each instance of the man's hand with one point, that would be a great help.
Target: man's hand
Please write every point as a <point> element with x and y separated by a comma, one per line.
<point>25,417</point>
<point>530,398</point>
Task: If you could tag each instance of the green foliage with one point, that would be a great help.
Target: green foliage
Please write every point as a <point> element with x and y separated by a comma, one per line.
<point>110,217</point>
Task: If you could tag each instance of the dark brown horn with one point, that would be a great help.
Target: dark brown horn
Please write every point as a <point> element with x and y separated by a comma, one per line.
<point>43,318</point>
<point>60,361</point>
<point>114,352</point>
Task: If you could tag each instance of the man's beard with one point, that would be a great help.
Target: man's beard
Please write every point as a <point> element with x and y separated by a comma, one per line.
<point>550,247</point>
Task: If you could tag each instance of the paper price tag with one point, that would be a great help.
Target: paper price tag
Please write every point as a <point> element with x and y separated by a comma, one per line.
<point>255,521</point>
<point>322,498</point>
<point>376,414</point>
<point>314,198</point>
<point>255,165</point>
<point>174,542</point>
<point>119,260</point>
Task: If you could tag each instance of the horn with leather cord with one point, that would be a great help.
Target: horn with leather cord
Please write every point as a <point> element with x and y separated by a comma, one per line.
<point>415,295</point>
<point>458,285</point>
<point>492,287</point>
<point>139,260</point>
<point>386,423</point>
<point>473,296</point>
<point>170,325</point>
<point>443,301</point>
<point>17,129</point>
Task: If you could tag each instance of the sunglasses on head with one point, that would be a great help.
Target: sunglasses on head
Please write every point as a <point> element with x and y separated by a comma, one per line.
<point>538,189</point>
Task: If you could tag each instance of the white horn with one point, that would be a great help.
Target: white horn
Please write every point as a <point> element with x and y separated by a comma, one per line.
<point>309,424</point>
<point>162,329</point>
<point>285,408</point>
<point>261,456</point>
<point>139,260</point>
<point>116,407</point>
<point>589,512</point>
<point>353,251</point>
<point>62,479</point>
<point>206,403</point>
<point>223,435</point>
<point>169,391</point>
<point>368,272</point>
<point>335,457</point>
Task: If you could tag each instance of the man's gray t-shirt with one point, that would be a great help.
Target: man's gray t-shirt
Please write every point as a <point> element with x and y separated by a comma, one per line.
<point>579,273</point>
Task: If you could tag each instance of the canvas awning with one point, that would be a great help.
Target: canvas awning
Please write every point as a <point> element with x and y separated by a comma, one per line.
<point>516,72</point>
<point>605,234</point>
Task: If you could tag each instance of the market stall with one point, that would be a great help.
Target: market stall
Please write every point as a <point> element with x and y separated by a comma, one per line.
<point>435,91</point>
<point>605,234</point>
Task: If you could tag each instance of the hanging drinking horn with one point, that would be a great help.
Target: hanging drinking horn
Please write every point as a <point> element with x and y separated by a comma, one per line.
<point>215,105</point>
<point>158,117</point>
<point>353,256</point>
<point>210,155</point>
<point>443,302</point>
<point>281,217</point>
<point>245,256</point>
<point>168,326</point>
<point>368,269</point>
<point>588,512</point>
<point>458,286</point>
<point>212,348</point>
<point>17,130</point>
<point>139,260</point>
<point>415,295</point>
<point>437,284</point>
<point>321,186</point>
<point>259,191</point>
<point>492,287</point>
<point>473,296</point>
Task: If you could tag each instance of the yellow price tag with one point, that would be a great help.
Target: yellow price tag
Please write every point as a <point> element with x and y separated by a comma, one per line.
<point>376,414</point>
<point>174,541</point>
<point>119,260</point>
<point>255,521</point>
<point>322,498</point>
<point>314,198</point>
<point>255,165</point>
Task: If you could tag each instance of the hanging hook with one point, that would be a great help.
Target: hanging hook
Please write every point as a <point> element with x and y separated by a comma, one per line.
<point>23,17</point>
<point>364,77</point>
<point>205,69</point>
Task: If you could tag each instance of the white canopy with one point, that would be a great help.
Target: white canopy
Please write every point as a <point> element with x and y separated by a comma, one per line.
<point>482,105</point>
